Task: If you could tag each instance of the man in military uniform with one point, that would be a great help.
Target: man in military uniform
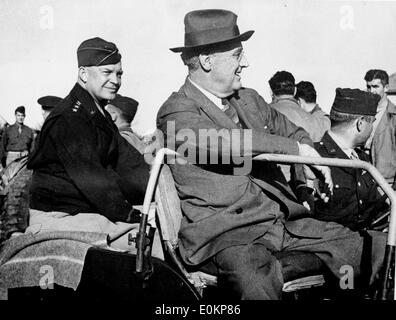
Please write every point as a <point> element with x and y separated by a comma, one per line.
<point>356,199</point>
<point>86,177</point>
<point>122,111</point>
<point>17,140</point>
<point>48,103</point>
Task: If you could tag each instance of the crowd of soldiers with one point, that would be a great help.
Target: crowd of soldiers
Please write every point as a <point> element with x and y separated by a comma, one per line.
<point>89,170</point>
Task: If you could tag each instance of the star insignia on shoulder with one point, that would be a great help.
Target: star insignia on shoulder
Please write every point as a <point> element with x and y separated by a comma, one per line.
<point>76,106</point>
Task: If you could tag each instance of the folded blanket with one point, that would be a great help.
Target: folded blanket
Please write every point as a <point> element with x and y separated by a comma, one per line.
<point>42,259</point>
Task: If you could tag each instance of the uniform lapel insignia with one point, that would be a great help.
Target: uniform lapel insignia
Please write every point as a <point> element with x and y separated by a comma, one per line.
<point>76,106</point>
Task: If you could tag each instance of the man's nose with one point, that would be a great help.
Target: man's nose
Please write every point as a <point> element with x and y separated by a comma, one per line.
<point>244,62</point>
<point>115,79</point>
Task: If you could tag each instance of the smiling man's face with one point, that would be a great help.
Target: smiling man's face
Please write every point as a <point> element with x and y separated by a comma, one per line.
<point>103,82</point>
<point>227,68</point>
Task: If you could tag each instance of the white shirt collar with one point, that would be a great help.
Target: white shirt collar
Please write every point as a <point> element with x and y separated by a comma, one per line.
<point>210,96</point>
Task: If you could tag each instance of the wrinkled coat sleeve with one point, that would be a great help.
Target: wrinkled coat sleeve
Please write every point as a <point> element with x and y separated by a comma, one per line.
<point>280,125</point>
<point>103,186</point>
<point>185,115</point>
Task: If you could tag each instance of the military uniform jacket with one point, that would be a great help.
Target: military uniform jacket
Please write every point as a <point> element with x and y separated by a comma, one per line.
<point>221,207</point>
<point>355,199</point>
<point>82,164</point>
<point>12,140</point>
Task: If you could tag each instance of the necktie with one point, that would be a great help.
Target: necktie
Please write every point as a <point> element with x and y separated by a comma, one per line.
<point>231,112</point>
<point>20,130</point>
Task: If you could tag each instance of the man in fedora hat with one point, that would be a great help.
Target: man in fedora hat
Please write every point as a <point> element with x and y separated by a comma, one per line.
<point>234,220</point>
<point>86,177</point>
<point>381,145</point>
<point>122,111</point>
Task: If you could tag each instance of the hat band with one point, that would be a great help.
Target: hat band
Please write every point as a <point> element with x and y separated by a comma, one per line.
<point>209,36</point>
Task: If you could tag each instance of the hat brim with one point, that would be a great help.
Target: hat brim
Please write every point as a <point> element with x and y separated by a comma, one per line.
<point>47,107</point>
<point>242,37</point>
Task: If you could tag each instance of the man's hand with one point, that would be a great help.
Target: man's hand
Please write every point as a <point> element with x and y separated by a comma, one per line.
<point>24,153</point>
<point>306,197</point>
<point>307,151</point>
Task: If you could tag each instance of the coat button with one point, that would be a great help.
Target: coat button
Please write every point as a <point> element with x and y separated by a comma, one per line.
<point>360,201</point>
<point>336,186</point>
<point>359,184</point>
<point>239,210</point>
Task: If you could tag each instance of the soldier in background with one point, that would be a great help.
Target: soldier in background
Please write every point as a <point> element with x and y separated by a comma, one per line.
<point>306,97</point>
<point>3,125</point>
<point>122,111</point>
<point>18,139</point>
<point>356,199</point>
<point>381,145</point>
<point>48,103</point>
<point>283,89</point>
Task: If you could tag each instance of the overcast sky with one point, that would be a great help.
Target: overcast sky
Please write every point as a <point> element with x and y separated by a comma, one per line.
<point>330,43</point>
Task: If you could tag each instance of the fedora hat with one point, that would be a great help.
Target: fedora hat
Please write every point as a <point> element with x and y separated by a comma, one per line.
<point>208,27</point>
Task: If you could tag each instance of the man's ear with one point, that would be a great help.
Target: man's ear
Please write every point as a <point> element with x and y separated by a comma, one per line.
<point>360,124</point>
<point>205,61</point>
<point>386,88</point>
<point>83,74</point>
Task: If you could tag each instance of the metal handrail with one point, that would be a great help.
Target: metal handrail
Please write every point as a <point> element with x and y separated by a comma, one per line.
<point>278,158</point>
<point>334,162</point>
<point>151,185</point>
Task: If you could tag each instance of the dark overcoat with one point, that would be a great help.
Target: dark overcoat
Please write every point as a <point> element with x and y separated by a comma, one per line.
<point>82,164</point>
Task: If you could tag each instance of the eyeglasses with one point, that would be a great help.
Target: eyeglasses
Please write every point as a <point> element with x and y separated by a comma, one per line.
<point>369,119</point>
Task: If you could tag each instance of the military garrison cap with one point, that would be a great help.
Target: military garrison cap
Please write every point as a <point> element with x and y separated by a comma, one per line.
<point>126,105</point>
<point>97,52</point>
<point>20,109</point>
<point>49,102</point>
<point>355,101</point>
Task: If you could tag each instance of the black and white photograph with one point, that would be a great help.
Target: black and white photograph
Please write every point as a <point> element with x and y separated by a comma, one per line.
<point>187,156</point>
